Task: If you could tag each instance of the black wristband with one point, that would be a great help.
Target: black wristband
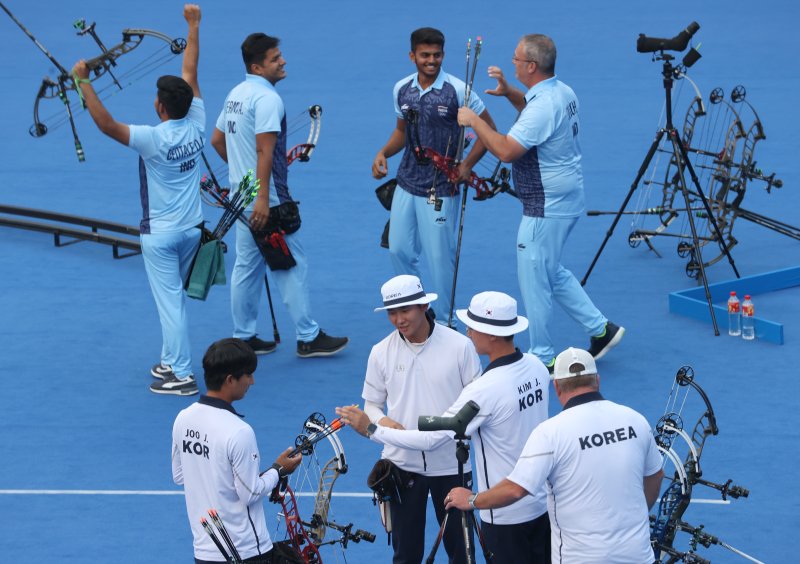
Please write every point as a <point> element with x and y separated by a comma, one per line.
<point>282,473</point>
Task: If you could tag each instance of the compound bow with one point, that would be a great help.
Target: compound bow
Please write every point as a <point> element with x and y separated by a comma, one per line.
<point>724,155</point>
<point>98,66</point>
<point>485,188</point>
<point>307,537</point>
<point>667,519</point>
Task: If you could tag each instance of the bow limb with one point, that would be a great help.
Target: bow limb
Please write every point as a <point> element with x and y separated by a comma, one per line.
<point>303,151</point>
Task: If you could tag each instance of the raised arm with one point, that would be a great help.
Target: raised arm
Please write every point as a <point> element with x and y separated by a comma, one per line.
<point>101,116</point>
<point>191,12</point>
<point>503,88</point>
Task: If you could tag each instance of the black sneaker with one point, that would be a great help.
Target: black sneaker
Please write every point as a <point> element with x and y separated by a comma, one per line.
<point>162,371</point>
<point>611,336</point>
<point>259,346</point>
<point>551,366</point>
<point>323,345</point>
<point>175,386</point>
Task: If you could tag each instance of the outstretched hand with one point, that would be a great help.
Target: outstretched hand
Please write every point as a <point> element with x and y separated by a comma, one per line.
<point>502,88</point>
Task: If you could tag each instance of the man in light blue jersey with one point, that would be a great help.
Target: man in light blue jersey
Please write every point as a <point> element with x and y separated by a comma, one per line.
<point>171,214</point>
<point>424,211</point>
<point>543,147</point>
<point>250,134</point>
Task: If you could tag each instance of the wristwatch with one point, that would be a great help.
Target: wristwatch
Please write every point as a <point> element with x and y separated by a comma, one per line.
<point>471,500</point>
<point>371,428</point>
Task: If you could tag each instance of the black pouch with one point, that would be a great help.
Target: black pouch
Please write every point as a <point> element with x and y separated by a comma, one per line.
<point>387,483</point>
<point>385,193</point>
<point>284,553</point>
<point>285,217</point>
<point>274,249</point>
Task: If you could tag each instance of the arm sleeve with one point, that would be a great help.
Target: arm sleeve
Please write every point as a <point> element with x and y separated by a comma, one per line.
<point>244,459</point>
<point>197,113</point>
<point>221,121</point>
<point>374,411</point>
<point>535,463</point>
<point>471,366</point>
<point>395,92</point>
<point>269,112</point>
<point>177,469</point>
<point>141,140</point>
<point>653,460</point>
<point>535,125</point>
<point>410,438</point>
<point>374,383</point>
<point>426,440</point>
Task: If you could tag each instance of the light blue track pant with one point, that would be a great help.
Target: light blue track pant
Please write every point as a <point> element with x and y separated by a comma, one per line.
<point>247,284</point>
<point>416,227</point>
<point>542,278</point>
<point>167,258</point>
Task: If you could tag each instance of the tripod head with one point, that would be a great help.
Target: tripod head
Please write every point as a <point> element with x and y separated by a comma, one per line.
<point>670,72</point>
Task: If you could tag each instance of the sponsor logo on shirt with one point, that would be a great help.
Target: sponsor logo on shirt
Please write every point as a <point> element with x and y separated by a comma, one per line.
<point>442,110</point>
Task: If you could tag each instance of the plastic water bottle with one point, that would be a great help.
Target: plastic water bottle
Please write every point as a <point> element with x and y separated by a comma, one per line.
<point>748,321</point>
<point>734,316</point>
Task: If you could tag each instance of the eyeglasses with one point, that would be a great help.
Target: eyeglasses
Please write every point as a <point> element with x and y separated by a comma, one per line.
<point>516,60</point>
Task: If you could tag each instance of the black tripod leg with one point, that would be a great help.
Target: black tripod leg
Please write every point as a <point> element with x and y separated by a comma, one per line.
<point>487,554</point>
<point>679,148</point>
<point>435,548</point>
<point>639,175</point>
<point>466,529</point>
<point>706,205</point>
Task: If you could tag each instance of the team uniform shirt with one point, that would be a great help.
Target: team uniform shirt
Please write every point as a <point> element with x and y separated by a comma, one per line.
<point>437,111</point>
<point>254,107</point>
<point>215,457</point>
<point>512,394</point>
<point>169,178</point>
<point>548,178</point>
<point>420,379</point>
<point>593,456</point>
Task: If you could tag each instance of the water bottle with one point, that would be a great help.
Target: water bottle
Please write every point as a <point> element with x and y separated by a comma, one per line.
<point>734,316</point>
<point>748,321</point>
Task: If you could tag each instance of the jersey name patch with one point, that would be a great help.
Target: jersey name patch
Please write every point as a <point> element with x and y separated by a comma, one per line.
<point>607,438</point>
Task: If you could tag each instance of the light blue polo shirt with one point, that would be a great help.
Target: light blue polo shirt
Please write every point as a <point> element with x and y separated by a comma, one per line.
<point>254,107</point>
<point>169,177</point>
<point>549,178</point>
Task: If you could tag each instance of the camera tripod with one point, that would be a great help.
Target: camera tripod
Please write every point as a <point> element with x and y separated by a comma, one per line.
<point>681,157</point>
<point>468,519</point>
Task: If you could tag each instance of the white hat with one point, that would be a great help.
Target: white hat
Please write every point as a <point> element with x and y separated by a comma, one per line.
<point>404,290</point>
<point>493,313</point>
<point>566,364</point>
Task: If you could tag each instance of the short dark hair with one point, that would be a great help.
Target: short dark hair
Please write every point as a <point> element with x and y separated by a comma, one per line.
<point>426,36</point>
<point>176,95</point>
<point>255,47</point>
<point>227,356</point>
